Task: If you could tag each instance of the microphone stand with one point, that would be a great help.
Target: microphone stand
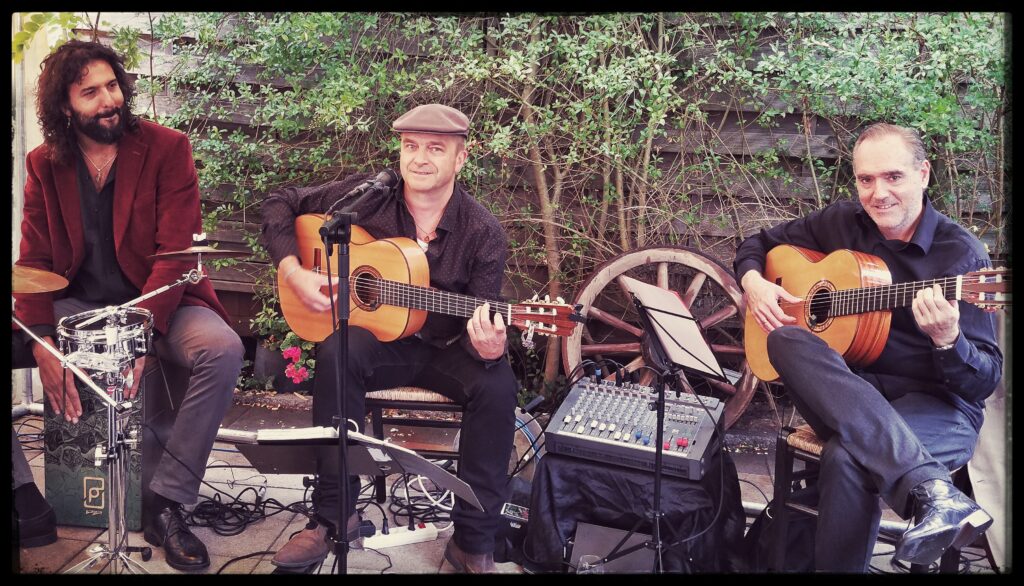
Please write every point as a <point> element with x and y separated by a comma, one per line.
<point>338,230</point>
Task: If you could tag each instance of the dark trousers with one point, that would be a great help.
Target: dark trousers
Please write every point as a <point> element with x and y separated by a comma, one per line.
<point>881,440</point>
<point>487,393</point>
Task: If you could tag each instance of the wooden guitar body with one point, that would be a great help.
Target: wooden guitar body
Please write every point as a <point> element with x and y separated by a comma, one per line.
<point>859,338</point>
<point>392,259</point>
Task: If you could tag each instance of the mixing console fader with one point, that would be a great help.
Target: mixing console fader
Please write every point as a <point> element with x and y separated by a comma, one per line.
<point>617,425</point>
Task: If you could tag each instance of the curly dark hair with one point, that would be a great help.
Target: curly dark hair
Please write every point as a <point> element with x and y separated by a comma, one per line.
<point>60,70</point>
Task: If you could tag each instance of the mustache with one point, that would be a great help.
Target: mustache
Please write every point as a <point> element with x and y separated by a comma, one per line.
<point>107,114</point>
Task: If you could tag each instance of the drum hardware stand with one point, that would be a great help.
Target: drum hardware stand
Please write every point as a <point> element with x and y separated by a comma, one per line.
<point>115,456</point>
<point>119,443</point>
<point>193,277</point>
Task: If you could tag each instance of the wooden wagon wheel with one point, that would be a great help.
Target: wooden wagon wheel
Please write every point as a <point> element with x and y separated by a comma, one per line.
<point>706,287</point>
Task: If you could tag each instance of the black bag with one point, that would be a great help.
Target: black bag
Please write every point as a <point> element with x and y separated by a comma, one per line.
<point>759,541</point>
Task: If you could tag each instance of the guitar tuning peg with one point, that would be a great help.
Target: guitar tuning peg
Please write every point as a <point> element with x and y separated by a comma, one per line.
<point>559,301</point>
<point>547,299</point>
<point>534,298</point>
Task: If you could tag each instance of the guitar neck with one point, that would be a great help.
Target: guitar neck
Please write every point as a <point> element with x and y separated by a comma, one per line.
<point>886,297</point>
<point>424,298</point>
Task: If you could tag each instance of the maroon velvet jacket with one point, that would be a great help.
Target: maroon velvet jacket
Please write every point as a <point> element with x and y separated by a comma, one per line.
<point>156,209</point>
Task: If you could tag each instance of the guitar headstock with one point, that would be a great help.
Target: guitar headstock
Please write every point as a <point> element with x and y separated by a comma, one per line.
<point>989,289</point>
<point>548,318</point>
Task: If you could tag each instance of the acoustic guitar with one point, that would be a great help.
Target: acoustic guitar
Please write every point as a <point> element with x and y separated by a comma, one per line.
<point>847,298</point>
<point>389,292</point>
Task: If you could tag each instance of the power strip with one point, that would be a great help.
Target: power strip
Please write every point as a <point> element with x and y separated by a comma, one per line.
<point>401,536</point>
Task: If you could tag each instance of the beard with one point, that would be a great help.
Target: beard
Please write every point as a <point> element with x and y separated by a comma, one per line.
<point>92,126</point>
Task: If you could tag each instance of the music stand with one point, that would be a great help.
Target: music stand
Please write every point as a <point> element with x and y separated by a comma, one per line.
<point>367,456</point>
<point>673,343</point>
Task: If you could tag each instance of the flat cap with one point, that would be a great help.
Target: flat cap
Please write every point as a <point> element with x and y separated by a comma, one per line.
<point>433,119</point>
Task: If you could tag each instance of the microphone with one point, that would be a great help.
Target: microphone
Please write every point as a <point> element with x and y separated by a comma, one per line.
<point>383,181</point>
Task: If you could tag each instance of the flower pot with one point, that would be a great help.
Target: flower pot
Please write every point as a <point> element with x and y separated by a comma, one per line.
<point>270,363</point>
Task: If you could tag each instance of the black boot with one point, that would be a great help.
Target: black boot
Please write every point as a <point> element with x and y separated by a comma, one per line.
<point>166,527</point>
<point>37,523</point>
<point>944,517</point>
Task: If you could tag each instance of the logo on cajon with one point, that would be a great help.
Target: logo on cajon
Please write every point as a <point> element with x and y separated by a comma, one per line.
<point>93,491</point>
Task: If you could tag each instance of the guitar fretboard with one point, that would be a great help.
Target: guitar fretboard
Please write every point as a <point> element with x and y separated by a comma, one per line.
<point>424,298</point>
<point>882,297</point>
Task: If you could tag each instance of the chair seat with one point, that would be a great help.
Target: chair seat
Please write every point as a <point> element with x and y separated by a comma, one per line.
<point>408,394</point>
<point>804,438</point>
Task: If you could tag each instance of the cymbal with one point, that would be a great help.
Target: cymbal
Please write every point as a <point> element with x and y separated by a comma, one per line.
<point>206,251</point>
<point>30,280</point>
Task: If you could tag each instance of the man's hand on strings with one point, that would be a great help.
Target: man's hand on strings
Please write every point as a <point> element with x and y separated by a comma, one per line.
<point>307,285</point>
<point>938,317</point>
<point>762,298</point>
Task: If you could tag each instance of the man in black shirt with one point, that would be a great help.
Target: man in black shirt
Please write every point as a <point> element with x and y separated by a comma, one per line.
<point>466,250</point>
<point>898,426</point>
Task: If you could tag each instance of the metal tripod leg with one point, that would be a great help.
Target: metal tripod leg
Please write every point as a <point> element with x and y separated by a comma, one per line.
<point>119,442</point>
<point>102,552</point>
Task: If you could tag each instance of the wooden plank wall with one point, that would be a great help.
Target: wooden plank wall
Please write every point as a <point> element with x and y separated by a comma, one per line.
<point>717,230</point>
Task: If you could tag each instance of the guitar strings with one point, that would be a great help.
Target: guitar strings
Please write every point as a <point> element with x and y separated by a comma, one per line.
<point>425,298</point>
<point>856,298</point>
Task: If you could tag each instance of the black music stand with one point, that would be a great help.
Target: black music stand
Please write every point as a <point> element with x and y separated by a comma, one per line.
<point>286,451</point>
<point>673,342</point>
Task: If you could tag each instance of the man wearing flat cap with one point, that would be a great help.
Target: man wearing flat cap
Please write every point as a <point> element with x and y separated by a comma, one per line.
<point>464,360</point>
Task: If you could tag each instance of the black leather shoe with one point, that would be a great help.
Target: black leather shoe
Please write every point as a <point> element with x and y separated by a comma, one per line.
<point>944,517</point>
<point>39,530</point>
<point>182,550</point>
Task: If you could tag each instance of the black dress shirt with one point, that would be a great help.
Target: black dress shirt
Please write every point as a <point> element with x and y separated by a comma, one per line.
<point>468,256</point>
<point>99,278</point>
<point>965,374</point>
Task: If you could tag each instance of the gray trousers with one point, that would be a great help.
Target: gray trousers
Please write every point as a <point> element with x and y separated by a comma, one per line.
<point>198,340</point>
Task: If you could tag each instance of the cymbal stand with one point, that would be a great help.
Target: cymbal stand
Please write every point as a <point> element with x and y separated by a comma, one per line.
<point>192,277</point>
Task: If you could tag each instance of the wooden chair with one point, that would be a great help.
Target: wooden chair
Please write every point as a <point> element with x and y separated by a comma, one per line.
<point>409,399</point>
<point>801,443</point>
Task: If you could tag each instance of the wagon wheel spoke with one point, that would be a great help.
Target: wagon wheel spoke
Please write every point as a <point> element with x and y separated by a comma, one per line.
<point>613,321</point>
<point>706,287</point>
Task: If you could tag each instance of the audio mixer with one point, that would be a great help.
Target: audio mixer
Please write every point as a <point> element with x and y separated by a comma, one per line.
<point>615,424</point>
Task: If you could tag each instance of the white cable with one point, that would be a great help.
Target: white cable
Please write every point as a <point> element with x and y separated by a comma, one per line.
<point>439,502</point>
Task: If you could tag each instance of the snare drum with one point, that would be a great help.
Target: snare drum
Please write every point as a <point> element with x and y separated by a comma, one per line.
<point>129,337</point>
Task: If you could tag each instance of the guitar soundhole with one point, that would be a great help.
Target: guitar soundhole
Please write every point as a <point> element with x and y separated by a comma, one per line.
<point>366,288</point>
<point>818,312</point>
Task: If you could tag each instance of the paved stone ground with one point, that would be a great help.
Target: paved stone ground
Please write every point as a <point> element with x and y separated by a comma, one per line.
<point>751,442</point>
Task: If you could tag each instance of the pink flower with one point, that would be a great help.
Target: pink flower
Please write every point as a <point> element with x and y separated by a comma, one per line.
<point>293,353</point>
<point>296,374</point>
